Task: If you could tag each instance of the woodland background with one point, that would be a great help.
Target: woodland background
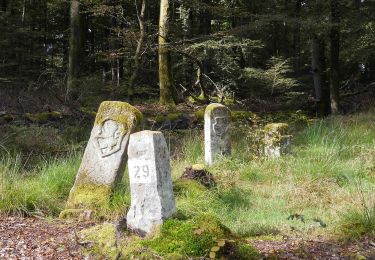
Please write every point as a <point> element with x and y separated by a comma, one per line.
<point>266,55</point>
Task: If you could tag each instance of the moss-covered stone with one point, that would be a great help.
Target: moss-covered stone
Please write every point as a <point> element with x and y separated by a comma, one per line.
<point>43,117</point>
<point>280,128</point>
<point>168,117</point>
<point>123,113</point>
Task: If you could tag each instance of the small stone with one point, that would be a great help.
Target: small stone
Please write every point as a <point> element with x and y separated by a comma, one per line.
<point>277,140</point>
<point>217,122</point>
<point>152,199</point>
<point>104,160</point>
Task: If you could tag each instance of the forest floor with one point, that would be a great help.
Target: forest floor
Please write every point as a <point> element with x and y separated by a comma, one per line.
<point>36,238</point>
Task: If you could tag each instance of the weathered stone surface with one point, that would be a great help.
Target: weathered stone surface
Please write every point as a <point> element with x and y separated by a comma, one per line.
<point>105,157</point>
<point>277,141</point>
<point>152,199</point>
<point>217,121</point>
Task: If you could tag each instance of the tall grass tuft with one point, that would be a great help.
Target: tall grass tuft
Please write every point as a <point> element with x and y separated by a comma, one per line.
<point>41,191</point>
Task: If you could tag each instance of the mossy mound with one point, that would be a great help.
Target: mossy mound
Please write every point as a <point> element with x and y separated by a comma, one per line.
<point>200,237</point>
<point>103,243</point>
<point>43,117</point>
<point>188,186</point>
<point>168,117</point>
<point>199,173</point>
<point>244,115</point>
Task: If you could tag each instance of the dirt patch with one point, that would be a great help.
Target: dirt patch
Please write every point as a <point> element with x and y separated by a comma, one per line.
<point>34,238</point>
<point>316,249</point>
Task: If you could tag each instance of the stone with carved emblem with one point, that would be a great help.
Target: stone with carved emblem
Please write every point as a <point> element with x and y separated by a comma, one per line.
<point>104,159</point>
<point>152,199</point>
<point>217,122</point>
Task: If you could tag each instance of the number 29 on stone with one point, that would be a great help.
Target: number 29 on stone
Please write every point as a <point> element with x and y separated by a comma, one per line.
<point>145,171</point>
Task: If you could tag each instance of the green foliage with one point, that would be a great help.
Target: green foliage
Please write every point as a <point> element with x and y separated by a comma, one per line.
<point>42,191</point>
<point>276,77</point>
<point>358,222</point>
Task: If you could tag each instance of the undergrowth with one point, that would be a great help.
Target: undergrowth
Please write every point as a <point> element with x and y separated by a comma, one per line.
<point>325,186</point>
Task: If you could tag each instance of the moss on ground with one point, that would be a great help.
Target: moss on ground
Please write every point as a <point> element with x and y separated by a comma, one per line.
<point>168,117</point>
<point>244,115</point>
<point>201,236</point>
<point>104,242</point>
<point>43,117</point>
<point>187,186</point>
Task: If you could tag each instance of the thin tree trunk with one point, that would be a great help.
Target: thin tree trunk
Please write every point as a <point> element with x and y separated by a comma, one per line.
<point>297,35</point>
<point>335,55</point>
<point>75,46</point>
<point>318,67</point>
<point>167,96</point>
<point>137,55</point>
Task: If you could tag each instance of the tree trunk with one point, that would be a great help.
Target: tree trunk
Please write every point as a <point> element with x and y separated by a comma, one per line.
<point>75,46</point>
<point>335,55</point>
<point>297,35</point>
<point>318,68</point>
<point>137,58</point>
<point>167,96</point>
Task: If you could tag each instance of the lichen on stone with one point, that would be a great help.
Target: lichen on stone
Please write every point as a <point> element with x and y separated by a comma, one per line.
<point>281,128</point>
<point>121,112</point>
<point>275,133</point>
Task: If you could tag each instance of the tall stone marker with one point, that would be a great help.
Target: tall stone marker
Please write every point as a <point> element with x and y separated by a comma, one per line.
<point>105,157</point>
<point>277,141</point>
<point>217,121</point>
<point>152,199</point>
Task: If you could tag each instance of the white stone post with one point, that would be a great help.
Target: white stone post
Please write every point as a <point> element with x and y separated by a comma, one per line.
<point>217,122</point>
<point>152,199</point>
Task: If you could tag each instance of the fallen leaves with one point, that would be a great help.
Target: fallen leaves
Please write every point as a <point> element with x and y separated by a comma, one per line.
<point>33,238</point>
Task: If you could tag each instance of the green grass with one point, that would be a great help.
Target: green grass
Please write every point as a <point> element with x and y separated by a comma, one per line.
<point>319,181</point>
<point>328,180</point>
<point>41,191</point>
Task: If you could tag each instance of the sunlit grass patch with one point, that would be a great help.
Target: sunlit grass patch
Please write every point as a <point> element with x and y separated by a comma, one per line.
<point>42,191</point>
